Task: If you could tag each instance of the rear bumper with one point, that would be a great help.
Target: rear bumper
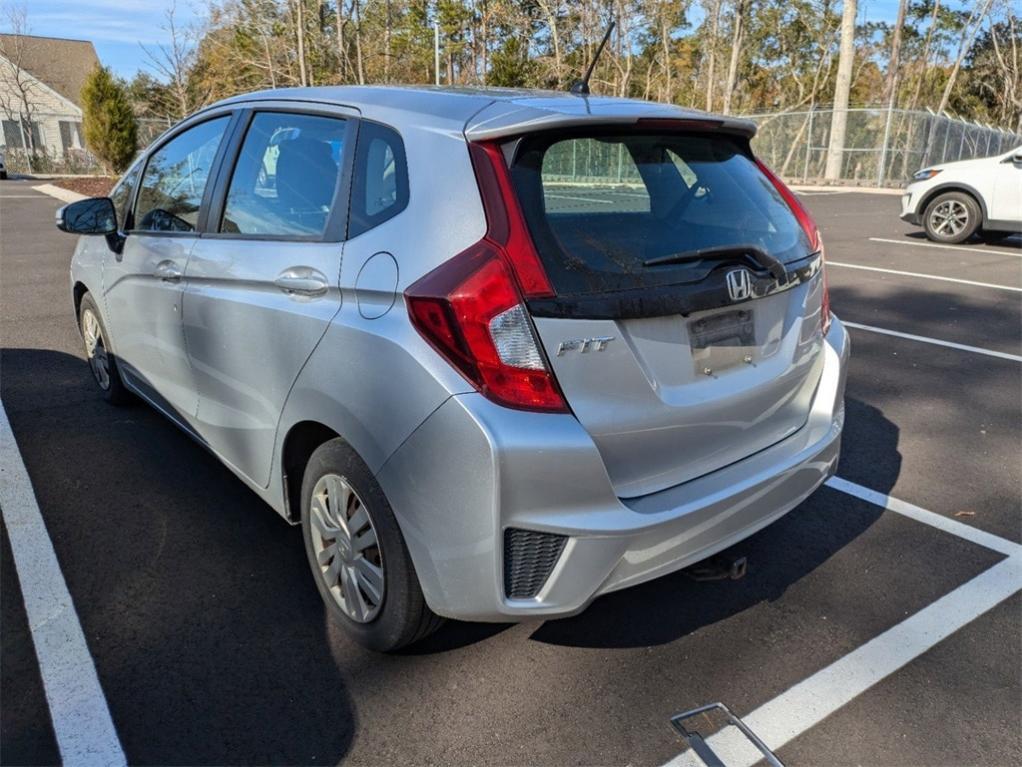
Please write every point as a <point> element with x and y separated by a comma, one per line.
<point>474,469</point>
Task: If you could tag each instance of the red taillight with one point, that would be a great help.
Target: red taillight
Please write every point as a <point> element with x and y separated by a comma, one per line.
<point>805,220</point>
<point>505,225</point>
<point>801,214</point>
<point>470,310</point>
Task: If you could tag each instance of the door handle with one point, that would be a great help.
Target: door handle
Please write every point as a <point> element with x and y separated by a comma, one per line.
<point>168,271</point>
<point>302,281</point>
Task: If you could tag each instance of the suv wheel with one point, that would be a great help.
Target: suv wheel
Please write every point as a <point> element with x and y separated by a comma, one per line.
<point>357,553</point>
<point>102,363</point>
<point>951,217</point>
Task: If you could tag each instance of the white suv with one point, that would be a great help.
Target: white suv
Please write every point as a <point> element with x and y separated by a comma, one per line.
<point>955,199</point>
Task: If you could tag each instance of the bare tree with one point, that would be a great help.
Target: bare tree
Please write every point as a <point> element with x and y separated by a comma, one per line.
<point>968,34</point>
<point>842,91</point>
<point>173,62</point>
<point>19,89</point>
<point>711,53</point>
<point>893,63</point>
<point>737,33</point>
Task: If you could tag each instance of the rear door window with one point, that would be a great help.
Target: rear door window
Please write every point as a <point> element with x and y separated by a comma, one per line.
<point>599,206</point>
<point>379,189</point>
<point>286,176</point>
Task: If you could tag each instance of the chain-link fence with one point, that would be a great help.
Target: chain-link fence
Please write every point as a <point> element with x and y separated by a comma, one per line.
<point>883,147</point>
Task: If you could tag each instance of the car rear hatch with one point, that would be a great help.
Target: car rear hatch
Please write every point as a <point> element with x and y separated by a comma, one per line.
<point>684,329</point>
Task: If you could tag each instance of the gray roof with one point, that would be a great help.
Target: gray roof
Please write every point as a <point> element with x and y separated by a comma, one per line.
<point>485,113</point>
<point>61,64</point>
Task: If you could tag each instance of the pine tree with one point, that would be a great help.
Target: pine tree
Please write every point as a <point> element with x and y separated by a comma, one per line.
<point>108,122</point>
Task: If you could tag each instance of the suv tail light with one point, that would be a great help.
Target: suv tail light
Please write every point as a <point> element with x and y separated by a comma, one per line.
<point>808,225</point>
<point>471,310</point>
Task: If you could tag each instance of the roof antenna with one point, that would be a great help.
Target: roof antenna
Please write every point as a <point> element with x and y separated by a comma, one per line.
<point>581,87</point>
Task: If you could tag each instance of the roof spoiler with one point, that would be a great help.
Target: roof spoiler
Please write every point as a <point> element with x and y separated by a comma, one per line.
<point>519,120</point>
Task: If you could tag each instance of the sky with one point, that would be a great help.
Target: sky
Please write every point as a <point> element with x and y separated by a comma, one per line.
<point>118,28</point>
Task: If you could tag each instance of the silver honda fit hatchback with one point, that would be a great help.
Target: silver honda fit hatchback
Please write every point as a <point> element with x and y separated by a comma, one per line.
<point>498,352</point>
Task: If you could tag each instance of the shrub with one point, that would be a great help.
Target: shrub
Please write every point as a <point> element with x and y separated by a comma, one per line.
<point>108,121</point>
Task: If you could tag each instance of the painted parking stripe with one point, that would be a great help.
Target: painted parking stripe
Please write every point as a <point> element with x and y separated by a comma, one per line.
<point>78,709</point>
<point>578,199</point>
<point>809,702</point>
<point>985,251</point>
<point>924,276</point>
<point>931,518</point>
<point>935,341</point>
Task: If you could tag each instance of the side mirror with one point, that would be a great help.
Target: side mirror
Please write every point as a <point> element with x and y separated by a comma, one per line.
<point>95,215</point>
<point>1017,157</point>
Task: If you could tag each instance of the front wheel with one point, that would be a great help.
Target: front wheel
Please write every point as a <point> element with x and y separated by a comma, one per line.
<point>358,556</point>
<point>951,217</point>
<point>102,363</point>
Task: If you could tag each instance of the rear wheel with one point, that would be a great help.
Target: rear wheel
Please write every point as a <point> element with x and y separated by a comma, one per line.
<point>951,217</point>
<point>102,363</point>
<point>357,554</point>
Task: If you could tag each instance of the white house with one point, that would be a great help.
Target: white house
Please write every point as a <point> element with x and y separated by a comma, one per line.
<point>41,79</point>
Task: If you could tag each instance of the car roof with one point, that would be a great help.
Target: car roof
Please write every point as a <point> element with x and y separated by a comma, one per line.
<point>486,113</point>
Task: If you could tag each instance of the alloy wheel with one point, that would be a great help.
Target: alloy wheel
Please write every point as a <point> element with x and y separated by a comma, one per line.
<point>346,548</point>
<point>949,218</point>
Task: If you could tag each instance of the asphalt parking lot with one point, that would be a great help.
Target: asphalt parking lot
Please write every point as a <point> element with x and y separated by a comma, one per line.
<point>865,632</point>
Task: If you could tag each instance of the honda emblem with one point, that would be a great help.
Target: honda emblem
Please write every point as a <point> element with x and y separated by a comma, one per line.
<point>739,284</point>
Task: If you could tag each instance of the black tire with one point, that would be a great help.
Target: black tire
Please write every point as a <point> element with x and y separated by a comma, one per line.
<point>112,388</point>
<point>961,207</point>
<point>3,175</point>
<point>403,616</point>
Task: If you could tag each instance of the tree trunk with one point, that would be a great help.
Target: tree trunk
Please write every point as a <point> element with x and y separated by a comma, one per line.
<point>891,86</point>
<point>555,38</point>
<point>359,65</point>
<point>300,34</point>
<point>842,90</point>
<point>738,33</point>
<point>711,65</point>
<point>968,33</point>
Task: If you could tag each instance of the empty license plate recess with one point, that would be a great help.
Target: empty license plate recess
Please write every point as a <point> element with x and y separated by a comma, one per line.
<point>722,340</point>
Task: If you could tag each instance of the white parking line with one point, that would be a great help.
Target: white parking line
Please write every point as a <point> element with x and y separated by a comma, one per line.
<point>578,199</point>
<point>809,702</point>
<point>985,251</point>
<point>924,276</point>
<point>931,518</point>
<point>78,710</point>
<point>935,341</point>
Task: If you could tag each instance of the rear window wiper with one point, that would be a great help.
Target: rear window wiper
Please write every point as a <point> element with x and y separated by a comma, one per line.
<point>720,252</point>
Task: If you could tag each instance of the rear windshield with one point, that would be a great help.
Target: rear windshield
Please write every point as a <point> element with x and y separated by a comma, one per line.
<point>600,205</point>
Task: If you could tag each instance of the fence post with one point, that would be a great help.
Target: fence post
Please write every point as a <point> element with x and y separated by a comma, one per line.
<point>947,133</point>
<point>883,149</point>
<point>809,145</point>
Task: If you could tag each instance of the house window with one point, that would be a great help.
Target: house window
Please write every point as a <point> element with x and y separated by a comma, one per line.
<point>12,135</point>
<point>70,135</point>
<point>15,132</point>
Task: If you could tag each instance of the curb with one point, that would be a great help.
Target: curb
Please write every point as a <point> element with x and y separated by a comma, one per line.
<point>64,195</point>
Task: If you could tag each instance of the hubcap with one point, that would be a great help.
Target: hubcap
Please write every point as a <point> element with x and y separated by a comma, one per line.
<point>95,349</point>
<point>949,218</point>
<point>348,555</point>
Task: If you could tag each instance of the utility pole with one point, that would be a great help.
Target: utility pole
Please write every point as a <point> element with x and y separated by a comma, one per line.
<point>842,90</point>
<point>436,51</point>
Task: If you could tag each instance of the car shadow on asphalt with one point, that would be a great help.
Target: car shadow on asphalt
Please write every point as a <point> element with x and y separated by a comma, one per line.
<point>205,627</point>
<point>780,555</point>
